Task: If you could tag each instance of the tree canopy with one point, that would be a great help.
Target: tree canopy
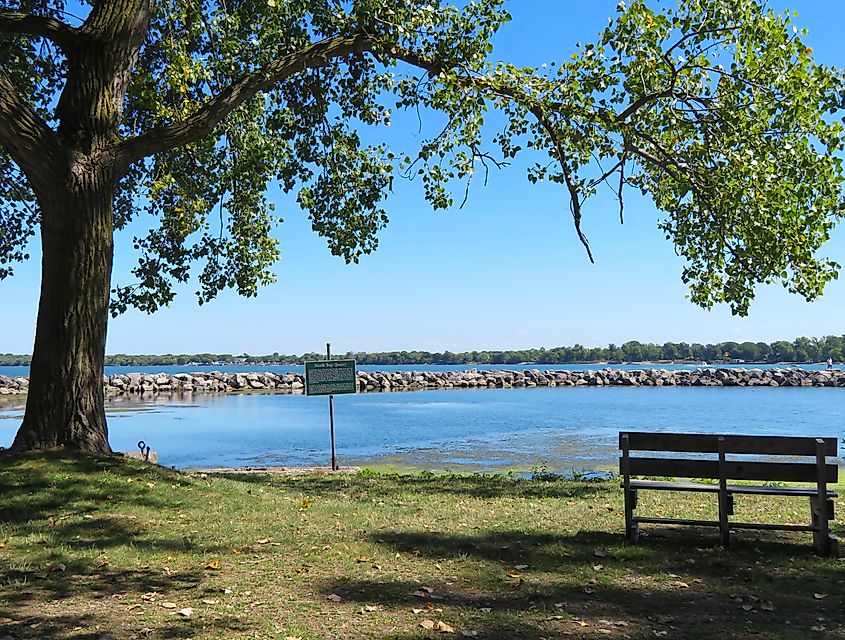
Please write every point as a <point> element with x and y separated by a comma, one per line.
<point>715,108</point>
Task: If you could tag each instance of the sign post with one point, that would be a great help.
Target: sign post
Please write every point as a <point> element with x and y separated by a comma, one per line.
<point>331,411</point>
<point>328,377</point>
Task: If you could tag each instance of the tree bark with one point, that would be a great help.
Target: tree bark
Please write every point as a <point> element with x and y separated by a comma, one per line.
<point>65,403</point>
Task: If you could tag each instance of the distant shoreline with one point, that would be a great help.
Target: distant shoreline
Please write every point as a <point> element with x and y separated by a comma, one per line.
<point>801,350</point>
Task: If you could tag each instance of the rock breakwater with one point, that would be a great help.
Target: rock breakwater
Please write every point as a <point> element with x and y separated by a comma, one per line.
<point>377,381</point>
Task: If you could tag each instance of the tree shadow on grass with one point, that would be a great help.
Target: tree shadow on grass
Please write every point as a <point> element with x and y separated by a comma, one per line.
<point>40,499</point>
<point>31,492</point>
<point>117,598</point>
<point>676,581</point>
<point>56,513</point>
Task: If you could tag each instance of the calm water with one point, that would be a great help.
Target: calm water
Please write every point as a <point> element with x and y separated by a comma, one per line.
<point>494,429</point>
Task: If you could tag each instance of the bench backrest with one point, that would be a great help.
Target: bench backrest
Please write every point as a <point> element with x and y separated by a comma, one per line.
<point>733,469</point>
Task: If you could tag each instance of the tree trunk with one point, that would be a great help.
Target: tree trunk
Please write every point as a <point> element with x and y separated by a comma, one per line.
<point>75,187</point>
<point>65,404</point>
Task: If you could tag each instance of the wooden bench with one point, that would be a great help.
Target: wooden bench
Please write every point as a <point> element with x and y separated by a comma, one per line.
<point>726,464</point>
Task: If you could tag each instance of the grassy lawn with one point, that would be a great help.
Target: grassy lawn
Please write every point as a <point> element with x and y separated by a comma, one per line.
<point>94,548</point>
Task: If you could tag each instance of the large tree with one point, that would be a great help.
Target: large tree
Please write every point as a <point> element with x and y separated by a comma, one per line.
<point>187,110</point>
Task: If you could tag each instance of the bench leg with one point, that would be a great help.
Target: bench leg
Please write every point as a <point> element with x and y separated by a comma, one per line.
<point>725,509</point>
<point>824,543</point>
<point>725,499</point>
<point>631,528</point>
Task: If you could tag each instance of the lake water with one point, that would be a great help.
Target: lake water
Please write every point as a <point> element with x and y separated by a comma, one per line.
<point>561,428</point>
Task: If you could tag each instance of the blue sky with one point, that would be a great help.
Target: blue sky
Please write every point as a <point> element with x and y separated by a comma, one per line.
<point>506,271</point>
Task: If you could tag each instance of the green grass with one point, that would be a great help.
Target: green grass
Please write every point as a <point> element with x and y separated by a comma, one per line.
<point>94,547</point>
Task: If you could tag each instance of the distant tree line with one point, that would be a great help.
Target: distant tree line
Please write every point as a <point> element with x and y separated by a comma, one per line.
<point>799,350</point>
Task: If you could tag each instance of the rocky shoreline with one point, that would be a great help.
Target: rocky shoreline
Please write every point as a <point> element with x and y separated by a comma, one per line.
<point>379,381</point>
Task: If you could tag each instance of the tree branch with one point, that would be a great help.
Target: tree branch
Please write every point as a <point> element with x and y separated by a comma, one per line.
<point>640,102</point>
<point>23,134</point>
<point>220,106</point>
<point>26,24</point>
<point>537,109</point>
<point>314,56</point>
<point>670,163</point>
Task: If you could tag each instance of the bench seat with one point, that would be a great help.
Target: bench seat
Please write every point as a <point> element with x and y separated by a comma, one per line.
<point>759,490</point>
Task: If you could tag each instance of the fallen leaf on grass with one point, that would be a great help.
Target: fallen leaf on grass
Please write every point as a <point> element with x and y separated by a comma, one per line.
<point>41,576</point>
<point>213,565</point>
<point>427,624</point>
<point>819,627</point>
<point>362,559</point>
<point>599,554</point>
<point>422,592</point>
<point>469,634</point>
<point>293,637</point>
<point>209,601</point>
<point>444,627</point>
<point>514,574</point>
<point>520,567</point>
<point>263,541</point>
<point>613,623</point>
<point>767,605</point>
<point>186,612</point>
<point>131,607</point>
<point>368,609</point>
<point>485,610</point>
<point>589,591</point>
<point>820,596</point>
<point>333,597</point>
<point>168,605</point>
<point>680,584</point>
<point>747,607</point>
<point>6,621</point>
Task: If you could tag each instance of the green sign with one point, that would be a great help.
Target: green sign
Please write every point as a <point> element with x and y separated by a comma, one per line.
<point>329,377</point>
